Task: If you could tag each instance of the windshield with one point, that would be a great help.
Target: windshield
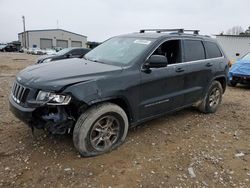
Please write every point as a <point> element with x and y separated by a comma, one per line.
<point>246,57</point>
<point>118,51</point>
<point>63,51</point>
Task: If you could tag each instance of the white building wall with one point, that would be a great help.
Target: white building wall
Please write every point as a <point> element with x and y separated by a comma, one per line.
<point>33,37</point>
<point>233,45</point>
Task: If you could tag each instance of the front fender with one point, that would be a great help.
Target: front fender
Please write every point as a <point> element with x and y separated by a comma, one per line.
<point>84,91</point>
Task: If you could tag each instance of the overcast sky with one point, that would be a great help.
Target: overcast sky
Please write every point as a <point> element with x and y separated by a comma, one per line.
<point>101,19</point>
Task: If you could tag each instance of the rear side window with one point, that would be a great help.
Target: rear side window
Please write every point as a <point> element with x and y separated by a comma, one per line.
<point>212,49</point>
<point>84,51</point>
<point>77,52</point>
<point>193,50</point>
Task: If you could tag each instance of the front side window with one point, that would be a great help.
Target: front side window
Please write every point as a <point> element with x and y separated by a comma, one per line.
<point>193,50</point>
<point>119,50</point>
<point>172,50</point>
<point>212,49</point>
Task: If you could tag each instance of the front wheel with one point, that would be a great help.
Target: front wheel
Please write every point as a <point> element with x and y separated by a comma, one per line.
<point>100,129</point>
<point>212,99</point>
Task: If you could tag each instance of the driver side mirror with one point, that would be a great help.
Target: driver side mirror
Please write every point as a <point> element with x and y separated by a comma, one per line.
<point>156,61</point>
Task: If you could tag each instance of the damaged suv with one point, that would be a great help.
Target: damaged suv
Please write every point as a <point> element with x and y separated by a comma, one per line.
<point>125,81</point>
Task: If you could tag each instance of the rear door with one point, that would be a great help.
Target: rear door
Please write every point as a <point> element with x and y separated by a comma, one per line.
<point>199,71</point>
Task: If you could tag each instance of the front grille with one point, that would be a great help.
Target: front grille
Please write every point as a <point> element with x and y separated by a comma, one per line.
<point>19,93</point>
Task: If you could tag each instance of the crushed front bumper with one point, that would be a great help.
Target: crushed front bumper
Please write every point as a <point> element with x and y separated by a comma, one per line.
<point>54,119</point>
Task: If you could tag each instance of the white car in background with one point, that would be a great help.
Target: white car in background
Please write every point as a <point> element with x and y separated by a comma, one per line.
<point>29,50</point>
<point>50,51</point>
<point>38,51</point>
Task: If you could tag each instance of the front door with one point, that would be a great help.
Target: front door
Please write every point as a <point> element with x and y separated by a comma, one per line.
<point>161,89</point>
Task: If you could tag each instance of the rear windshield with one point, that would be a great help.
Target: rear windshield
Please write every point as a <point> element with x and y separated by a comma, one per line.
<point>119,51</point>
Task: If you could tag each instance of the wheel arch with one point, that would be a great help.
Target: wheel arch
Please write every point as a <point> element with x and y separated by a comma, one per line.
<point>223,82</point>
<point>221,79</point>
<point>120,101</point>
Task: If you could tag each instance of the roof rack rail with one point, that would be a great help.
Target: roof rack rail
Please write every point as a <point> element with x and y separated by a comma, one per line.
<point>180,31</point>
<point>196,32</point>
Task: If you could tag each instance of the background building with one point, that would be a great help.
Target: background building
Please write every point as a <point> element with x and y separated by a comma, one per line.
<point>51,38</point>
<point>235,46</point>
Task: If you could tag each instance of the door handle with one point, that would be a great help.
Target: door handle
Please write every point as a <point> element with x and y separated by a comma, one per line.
<point>179,69</point>
<point>209,64</point>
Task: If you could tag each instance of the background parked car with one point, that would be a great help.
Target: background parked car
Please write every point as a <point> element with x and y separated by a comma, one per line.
<point>38,51</point>
<point>50,51</point>
<point>2,46</point>
<point>240,71</point>
<point>8,48</point>
<point>64,54</point>
<point>57,49</point>
<point>29,51</point>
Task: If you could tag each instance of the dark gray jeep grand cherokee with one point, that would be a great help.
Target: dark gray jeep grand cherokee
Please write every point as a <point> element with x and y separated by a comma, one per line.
<point>125,81</point>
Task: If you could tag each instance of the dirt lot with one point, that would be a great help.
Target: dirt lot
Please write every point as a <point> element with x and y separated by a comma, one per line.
<point>160,153</point>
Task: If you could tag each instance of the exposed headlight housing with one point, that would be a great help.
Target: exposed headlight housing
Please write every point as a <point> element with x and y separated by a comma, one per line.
<point>53,98</point>
<point>47,60</point>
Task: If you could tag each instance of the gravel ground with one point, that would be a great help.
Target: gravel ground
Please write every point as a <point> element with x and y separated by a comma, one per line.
<point>184,149</point>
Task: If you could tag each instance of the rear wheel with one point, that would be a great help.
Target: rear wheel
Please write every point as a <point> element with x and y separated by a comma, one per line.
<point>100,129</point>
<point>212,99</point>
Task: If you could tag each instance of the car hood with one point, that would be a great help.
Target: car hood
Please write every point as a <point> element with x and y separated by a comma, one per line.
<point>56,75</point>
<point>241,67</point>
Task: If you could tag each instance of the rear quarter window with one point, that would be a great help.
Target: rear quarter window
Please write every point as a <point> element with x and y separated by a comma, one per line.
<point>193,50</point>
<point>212,49</point>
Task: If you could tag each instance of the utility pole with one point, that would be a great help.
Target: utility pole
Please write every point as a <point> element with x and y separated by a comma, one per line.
<point>24,33</point>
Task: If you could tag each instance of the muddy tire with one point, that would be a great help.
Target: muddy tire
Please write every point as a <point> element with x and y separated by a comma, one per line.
<point>212,99</point>
<point>100,129</point>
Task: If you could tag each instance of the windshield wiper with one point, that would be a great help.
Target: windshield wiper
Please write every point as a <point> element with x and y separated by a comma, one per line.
<point>96,61</point>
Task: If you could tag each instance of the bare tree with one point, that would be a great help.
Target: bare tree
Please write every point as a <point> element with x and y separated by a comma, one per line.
<point>236,30</point>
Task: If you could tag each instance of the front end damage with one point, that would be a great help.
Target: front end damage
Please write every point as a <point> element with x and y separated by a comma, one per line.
<point>57,119</point>
<point>55,112</point>
<point>54,119</point>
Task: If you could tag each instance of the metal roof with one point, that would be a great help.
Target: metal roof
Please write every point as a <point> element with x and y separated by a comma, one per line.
<point>53,30</point>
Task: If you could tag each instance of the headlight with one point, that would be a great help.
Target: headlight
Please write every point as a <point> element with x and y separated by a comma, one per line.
<point>52,98</point>
<point>47,60</point>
